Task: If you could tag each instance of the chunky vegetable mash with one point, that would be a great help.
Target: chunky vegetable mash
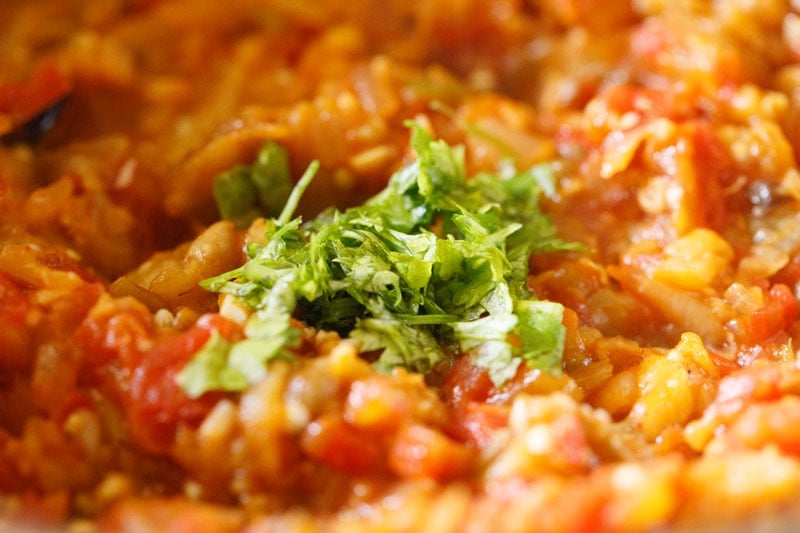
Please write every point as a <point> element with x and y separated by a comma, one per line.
<point>450,265</point>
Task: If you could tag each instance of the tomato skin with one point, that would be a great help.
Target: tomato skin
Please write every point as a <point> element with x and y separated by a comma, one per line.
<point>115,338</point>
<point>124,356</point>
<point>466,382</point>
<point>419,451</point>
<point>715,174</point>
<point>777,314</point>
<point>475,422</point>
<point>15,336</point>
<point>790,274</point>
<point>15,305</point>
<point>333,442</point>
<point>628,98</point>
<point>72,402</point>
<point>155,402</point>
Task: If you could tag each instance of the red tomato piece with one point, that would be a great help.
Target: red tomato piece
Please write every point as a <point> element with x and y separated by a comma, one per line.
<point>419,451</point>
<point>475,422</point>
<point>466,382</point>
<point>777,314</point>
<point>119,337</point>
<point>155,402</point>
<point>74,401</point>
<point>715,174</point>
<point>333,442</point>
<point>23,99</point>
<point>15,336</point>
<point>376,406</point>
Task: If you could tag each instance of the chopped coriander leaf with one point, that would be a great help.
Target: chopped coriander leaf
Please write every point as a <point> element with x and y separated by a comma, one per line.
<point>541,333</point>
<point>263,188</point>
<point>208,369</point>
<point>380,274</point>
<point>293,199</point>
<point>235,195</point>
<point>271,177</point>
<point>402,344</point>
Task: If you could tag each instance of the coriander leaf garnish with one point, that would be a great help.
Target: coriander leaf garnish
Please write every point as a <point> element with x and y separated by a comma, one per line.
<point>248,191</point>
<point>209,370</point>
<point>432,266</point>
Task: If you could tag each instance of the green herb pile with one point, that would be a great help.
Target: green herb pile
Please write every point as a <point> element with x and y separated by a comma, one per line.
<point>433,266</point>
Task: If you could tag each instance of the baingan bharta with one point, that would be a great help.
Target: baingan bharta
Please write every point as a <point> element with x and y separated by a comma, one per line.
<point>446,265</point>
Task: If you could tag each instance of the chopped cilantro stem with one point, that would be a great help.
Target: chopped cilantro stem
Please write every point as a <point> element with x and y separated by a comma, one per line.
<point>297,193</point>
<point>379,274</point>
